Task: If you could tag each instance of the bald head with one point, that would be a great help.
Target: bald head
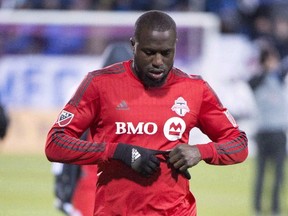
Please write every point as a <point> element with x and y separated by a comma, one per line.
<point>154,21</point>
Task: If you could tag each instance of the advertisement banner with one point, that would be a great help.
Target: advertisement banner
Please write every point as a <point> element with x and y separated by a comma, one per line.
<point>39,81</point>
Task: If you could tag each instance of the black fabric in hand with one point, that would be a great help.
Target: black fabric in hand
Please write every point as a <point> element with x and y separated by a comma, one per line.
<point>142,160</point>
<point>186,174</point>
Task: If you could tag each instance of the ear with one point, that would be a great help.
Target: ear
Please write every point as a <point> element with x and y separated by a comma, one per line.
<point>132,41</point>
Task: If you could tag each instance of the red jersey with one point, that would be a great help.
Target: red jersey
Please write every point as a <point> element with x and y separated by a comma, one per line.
<point>115,105</point>
<point>84,194</point>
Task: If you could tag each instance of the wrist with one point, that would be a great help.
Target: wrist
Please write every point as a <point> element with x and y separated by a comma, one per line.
<point>206,151</point>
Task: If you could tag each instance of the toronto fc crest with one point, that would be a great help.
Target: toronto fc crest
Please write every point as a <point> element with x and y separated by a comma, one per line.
<point>180,107</point>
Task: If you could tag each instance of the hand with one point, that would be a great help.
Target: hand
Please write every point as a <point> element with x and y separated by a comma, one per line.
<point>142,160</point>
<point>184,156</point>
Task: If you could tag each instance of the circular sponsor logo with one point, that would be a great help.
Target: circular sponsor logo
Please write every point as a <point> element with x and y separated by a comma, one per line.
<point>174,128</point>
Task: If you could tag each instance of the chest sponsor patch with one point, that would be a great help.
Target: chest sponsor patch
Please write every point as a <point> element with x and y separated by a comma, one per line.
<point>64,118</point>
<point>174,128</point>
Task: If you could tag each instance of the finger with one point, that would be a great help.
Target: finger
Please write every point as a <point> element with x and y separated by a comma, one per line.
<point>186,174</point>
<point>180,164</point>
<point>159,152</point>
<point>177,158</point>
<point>150,168</point>
<point>154,162</point>
<point>165,154</point>
<point>174,152</point>
<point>147,170</point>
<point>145,174</point>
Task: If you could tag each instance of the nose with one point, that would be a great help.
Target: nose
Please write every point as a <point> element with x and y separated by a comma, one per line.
<point>157,60</point>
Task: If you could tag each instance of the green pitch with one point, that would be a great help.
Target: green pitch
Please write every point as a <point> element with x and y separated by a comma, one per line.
<point>26,187</point>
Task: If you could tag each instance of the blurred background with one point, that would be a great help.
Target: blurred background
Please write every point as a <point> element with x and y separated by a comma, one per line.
<point>48,46</point>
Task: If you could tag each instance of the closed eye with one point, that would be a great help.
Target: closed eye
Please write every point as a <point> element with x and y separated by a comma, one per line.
<point>149,52</point>
<point>152,52</point>
<point>166,52</point>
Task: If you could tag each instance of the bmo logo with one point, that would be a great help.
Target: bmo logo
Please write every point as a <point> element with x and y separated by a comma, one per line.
<point>149,128</point>
<point>174,128</point>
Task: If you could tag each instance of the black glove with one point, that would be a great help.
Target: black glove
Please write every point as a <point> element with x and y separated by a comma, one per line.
<point>140,159</point>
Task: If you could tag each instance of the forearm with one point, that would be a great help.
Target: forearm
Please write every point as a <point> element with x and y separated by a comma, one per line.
<point>225,152</point>
<point>64,148</point>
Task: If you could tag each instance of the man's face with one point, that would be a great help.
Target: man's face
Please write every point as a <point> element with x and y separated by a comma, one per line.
<point>154,53</point>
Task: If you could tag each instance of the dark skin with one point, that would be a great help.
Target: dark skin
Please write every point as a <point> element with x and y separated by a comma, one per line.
<point>184,156</point>
<point>154,53</point>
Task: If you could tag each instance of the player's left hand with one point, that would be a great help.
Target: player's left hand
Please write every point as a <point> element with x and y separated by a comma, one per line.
<point>184,156</point>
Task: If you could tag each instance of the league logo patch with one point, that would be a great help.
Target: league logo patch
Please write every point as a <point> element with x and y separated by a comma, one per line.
<point>180,106</point>
<point>64,118</point>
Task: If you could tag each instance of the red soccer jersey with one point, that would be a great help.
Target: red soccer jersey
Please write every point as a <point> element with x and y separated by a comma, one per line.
<point>114,104</point>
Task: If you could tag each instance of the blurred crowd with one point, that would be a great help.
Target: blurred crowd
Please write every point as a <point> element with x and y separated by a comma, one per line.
<point>252,18</point>
<point>97,4</point>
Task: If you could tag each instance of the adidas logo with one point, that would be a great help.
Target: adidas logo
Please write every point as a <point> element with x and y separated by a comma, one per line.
<point>122,106</point>
<point>135,155</point>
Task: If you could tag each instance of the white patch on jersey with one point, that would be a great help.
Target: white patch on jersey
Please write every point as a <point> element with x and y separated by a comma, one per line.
<point>180,106</point>
<point>174,128</point>
<point>230,118</point>
<point>64,118</point>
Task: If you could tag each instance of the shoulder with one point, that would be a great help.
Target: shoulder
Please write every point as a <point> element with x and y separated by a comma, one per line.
<point>95,81</point>
<point>106,74</point>
<point>114,69</point>
<point>105,77</point>
<point>196,85</point>
<point>196,80</point>
<point>185,76</point>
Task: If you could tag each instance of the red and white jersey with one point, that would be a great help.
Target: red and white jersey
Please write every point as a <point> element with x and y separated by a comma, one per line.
<point>114,104</point>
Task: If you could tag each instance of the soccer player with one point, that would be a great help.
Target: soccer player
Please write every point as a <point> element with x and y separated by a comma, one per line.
<point>140,113</point>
